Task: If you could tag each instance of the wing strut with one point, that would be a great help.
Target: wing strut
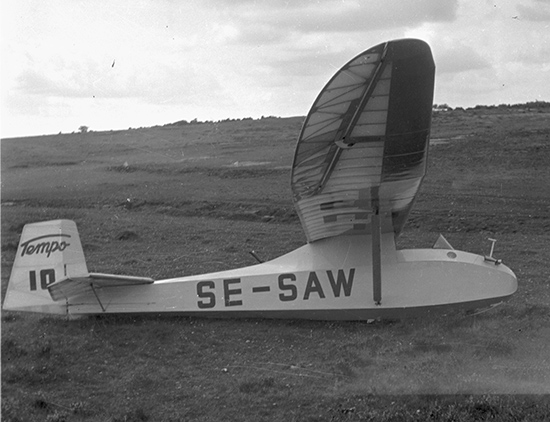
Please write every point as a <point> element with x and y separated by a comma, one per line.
<point>376,249</point>
<point>376,260</point>
<point>346,137</point>
<point>97,297</point>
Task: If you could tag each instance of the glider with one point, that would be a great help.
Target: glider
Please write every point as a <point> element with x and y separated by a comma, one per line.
<point>359,162</point>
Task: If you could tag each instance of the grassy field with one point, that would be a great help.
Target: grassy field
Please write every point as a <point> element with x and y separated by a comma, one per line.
<point>186,199</point>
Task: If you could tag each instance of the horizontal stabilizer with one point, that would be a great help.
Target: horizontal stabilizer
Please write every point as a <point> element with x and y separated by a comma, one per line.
<point>74,286</point>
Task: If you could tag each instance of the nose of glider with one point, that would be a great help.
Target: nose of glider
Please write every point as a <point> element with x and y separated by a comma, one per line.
<point>507,282</point>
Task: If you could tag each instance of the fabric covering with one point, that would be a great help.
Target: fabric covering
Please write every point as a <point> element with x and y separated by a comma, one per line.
<point>364,144</point>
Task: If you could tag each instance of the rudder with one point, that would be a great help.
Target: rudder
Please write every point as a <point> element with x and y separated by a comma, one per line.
<point>47,251</point>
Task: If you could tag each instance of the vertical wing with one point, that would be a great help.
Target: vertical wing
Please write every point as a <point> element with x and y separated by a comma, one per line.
<point>363,147</point>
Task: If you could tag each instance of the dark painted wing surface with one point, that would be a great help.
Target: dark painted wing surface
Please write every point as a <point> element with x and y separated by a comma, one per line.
<point>363,147</point>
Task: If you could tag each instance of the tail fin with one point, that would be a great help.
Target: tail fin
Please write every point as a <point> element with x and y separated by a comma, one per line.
<point>47,252</point>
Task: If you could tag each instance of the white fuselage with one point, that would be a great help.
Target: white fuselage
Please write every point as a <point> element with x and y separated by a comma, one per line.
<point>328,279</point>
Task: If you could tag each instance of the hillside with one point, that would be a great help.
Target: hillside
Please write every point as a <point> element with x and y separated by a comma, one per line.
<point>185,198</point>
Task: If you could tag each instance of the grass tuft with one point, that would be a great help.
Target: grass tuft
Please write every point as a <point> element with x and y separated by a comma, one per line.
<point>427,346</point>
<point>257,386</point>
<point>11,350</point>
<point>9,317</point>
<point>58,416</point>
<point>127,235</point>
<point>136,415</point>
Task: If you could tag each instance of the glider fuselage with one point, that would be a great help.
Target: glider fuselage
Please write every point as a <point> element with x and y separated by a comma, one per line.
<point>360,159</point>
<point>329,279</point>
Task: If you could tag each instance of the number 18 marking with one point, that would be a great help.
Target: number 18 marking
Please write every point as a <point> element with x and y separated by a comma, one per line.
<point>47,277</point>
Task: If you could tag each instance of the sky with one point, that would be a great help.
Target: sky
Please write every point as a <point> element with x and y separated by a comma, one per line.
<point>116,64</point>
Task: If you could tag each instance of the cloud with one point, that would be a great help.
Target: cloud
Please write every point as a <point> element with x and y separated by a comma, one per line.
<point>308,64</point>
<point>459,58</point>
<point>260,33</point>
<point>267,18</point>
<point>166,84</point>
<point>536,13</point>
<point>535,54</point>
<point>233,58</point>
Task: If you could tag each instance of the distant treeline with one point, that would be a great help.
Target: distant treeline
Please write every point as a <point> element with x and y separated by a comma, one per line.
<point>436,107</point>
<point>198,122</point>
<point>528,105</point>
<point>540,106</point>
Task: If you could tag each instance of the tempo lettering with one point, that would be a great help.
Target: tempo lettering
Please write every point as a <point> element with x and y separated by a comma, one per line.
<point>46,247</point>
